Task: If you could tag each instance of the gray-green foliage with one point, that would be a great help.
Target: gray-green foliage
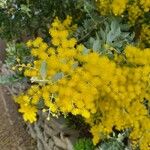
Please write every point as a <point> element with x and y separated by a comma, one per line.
<point>90,23</point>
<point>8,79</point>
<point>102,34</point>
<point>112,35</point>
<point>111,145</point>
<point>84,144</point>
<point>14,51</point>
<point>116,142</point>
<point>43,70</point>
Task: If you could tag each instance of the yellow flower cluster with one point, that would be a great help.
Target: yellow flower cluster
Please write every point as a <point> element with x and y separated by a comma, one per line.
<point>107,94</point>
<point>145,35</point>
<point>122,106</point>
<point>134,11</point>
<point>137,56</point>
<point>118,7</point>
<point>145,4</point>
<point>29,111</point>
<point>104,6</point>
<point>60,59</point>
<point>135,8</point>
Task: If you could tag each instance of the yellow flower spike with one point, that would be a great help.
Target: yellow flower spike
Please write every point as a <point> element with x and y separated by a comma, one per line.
<point>80,47</point>
<point>54,33</point>
<point>29,65</point>
<point>33,73</point>
<point>37,42</point>
<point>67,21</point>
<point>26,98</point>
<point>51,51</point>
<point>76,111</point>
<point>30,91</point>
<point>34,52</point>
<point>63,34</point>
<point>43,46</point>
<point>27,73</point>
<point>56,42</point>
<point>72,42</point>
<point>86,114</point>
<point>35,99</point>
<point>29,43</point>
<point>29,112</point>
<point>53,108</point>
<point>118,7</point>
<point>43,56</point>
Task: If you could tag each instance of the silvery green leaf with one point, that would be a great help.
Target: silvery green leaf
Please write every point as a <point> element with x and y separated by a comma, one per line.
<point>120,137</point>
<point>110,55</point>
<point>43,70</point>
<point>88,7</point>
<point>57,76</point>
<point>25,9</point>
<point>11,48</point>
<point>75,65</point>
<point>125,34</point>
<point>112,35</point>
<point>117,44</point>
<point>114,25</point>
<point>112,145</point>
<point>103,34</point>
<point>40,104</point>
<point>107,27</point>
<point>9,79</point>
<point>85,50</point>
<point>96,45</point>
<point>91,41</point>
<point>124,27</point>
<point>132,36</point>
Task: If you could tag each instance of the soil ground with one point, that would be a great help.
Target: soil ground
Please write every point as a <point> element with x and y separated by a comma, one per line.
<point>13,134</point>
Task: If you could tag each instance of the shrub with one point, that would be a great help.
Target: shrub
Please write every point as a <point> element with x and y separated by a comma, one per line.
<point>68,78</point>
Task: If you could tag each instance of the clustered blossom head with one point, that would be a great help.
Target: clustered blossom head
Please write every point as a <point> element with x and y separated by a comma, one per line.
<point>107,93</point>
<point>133,11</point>
<point>118,7</point>
<point>145,35</point>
